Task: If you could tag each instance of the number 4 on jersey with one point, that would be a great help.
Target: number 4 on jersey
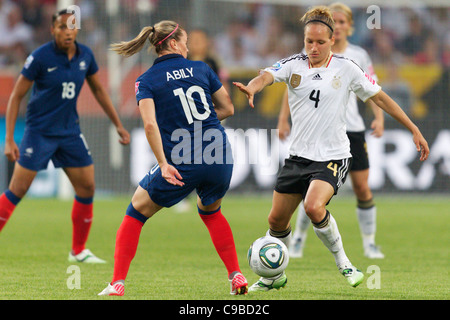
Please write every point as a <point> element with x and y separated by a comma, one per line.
<point>316,98</point>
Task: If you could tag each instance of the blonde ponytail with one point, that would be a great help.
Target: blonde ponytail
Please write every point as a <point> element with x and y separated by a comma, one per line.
<point>157,35</point>
<point>132,47</point>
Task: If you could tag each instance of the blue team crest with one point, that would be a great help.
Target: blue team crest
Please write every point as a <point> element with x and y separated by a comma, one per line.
<point>83,65</point>
<point>276,67</point>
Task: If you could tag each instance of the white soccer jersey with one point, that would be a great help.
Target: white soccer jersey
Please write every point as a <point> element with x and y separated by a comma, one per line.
<point>355,122</point>
<point>318,99</point>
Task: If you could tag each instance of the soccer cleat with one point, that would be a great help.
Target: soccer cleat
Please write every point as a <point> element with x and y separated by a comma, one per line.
<point>296,247</point>
<point>354,276</point>
<point>373,252</point>
<point>239,284</point>
<point>113,290</point>
<point>85,256</point>
<point>266,284</point>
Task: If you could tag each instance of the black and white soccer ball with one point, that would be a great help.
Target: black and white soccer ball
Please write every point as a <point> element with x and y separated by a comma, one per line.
<point>268,256</point>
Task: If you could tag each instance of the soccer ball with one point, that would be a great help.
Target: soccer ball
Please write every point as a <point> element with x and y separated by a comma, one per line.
<point>268,256</point>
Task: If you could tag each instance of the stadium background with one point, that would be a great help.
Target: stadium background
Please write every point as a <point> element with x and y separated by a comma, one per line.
<point>411,55</point>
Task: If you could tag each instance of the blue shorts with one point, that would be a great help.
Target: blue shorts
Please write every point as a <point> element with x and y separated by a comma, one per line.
<point>210,181</point>
<point>36,150</point>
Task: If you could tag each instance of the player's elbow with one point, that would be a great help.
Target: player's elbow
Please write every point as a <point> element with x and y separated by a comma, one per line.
<point>228,107</point>
<point>150,126</point>
<point>230,110</point>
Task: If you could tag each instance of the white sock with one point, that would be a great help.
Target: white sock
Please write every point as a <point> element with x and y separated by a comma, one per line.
<point>302,223</point>
<point>331,238</point>
<point>284,236</point>
<point>367,223</point>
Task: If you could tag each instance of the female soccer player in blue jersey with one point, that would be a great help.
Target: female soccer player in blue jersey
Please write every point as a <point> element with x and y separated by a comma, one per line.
<point>57,70</point>
<point>181,104</point>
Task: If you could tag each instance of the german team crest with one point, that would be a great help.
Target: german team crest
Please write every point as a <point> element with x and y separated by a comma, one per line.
<point>295,80</point>
<point>336,82</point>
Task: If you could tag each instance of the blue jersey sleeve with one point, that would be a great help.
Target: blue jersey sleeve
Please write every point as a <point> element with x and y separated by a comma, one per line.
<point>32,67</point>
<point>142,90</point>
<point>214,80</point>
<point>93,67</point>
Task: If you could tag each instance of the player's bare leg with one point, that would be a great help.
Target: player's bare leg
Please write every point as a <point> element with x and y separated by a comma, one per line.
<point>283,207</point>
<point>82,180</point>
<point>21,180</point>
<point>325,227</point>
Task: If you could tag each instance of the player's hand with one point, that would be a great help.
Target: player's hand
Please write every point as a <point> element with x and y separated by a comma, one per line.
<point>250,95</point>
<point>421,146</point>
<point>124,135</point>
<point>378,128</point>
<point>284,129</point>
<point>171,174</point>
<point>11,151</point>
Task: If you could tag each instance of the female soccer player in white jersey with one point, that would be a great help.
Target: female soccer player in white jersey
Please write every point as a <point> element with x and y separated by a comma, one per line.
<point>359,170</point>
<point>178,95</point>
<point>319,86</point>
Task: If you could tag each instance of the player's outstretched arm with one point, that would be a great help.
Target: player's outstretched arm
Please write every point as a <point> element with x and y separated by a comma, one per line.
<point>386,103</point>
<point>147,109</point>
<point>283,126</point>
<point>255,85</point>
<point>12,110</point>
<point>105,102</point>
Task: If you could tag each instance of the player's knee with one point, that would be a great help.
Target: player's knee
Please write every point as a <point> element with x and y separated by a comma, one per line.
<point>277,222</point>
<point>314,210</point>
<point>85,190</point>
<point>19,188</point>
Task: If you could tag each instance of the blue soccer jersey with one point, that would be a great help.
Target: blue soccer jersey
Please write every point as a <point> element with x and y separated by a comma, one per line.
<point>181,90</point>
<point>57,83</point>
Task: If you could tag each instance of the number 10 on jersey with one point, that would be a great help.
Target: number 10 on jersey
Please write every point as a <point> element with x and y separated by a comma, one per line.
<point>188,103</point>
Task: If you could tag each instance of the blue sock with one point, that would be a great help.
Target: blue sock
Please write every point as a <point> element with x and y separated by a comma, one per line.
<point>132,212</point>
<point>12,197</point>
<point>84,200</point>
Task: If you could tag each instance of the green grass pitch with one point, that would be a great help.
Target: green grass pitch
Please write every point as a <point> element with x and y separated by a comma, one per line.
<point>177,261</point>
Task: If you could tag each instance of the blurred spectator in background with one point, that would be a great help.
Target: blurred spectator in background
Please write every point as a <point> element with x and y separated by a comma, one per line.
<point>38,14</point>
<point>238,45</point>
<point>381,48</point>
<point>430,53</point>
<point>16,36</point>
<point>271,47</point>
<point>32,13</point>
<point>446,51</point>
<point>413,42</point>
<point>397,89</point>
<point>95,37</point>
<point>200,49</point>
